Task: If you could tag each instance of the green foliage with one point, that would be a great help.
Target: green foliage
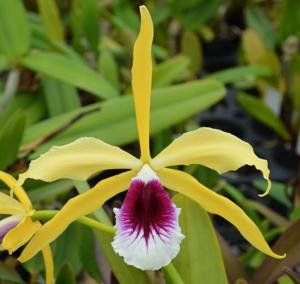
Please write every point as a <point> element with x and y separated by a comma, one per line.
<point>14,29</point>
<point>199,240</point>
<point>10,138</point>
<point>262,113</point>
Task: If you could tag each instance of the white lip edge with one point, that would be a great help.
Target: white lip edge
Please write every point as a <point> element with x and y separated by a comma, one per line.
<point>146,174</point>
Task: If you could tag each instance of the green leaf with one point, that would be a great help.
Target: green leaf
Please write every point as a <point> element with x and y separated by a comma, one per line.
<point>10,138</point>
<point>262,113</point>
<point>49,191</point>
<point>115,123</point>
<point>14,29</point>
<point>108,67</point>
<point>87,252</point>
<point>60,97</point>
<point>51,19</point>
<point>289,243</point>
<point>69,71</point>
<point>85,24</point>
<point>192,48</point>
<point>234,74</point>
<point>170,71</point>
<point>4,63</point>
<point>66,249</point>
<point>257,21</point>
<point>199,256</point>
<point>290,19</point>
<point>193,14</point>
<point>65,275</point>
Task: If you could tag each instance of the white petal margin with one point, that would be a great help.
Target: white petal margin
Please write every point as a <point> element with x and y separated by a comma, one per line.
<point>159,251</point>
<point>143,244</point>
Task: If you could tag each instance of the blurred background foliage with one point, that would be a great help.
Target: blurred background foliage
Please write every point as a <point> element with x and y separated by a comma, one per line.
<point>65,73</point>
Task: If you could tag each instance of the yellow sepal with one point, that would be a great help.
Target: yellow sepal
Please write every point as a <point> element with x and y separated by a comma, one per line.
<point>20,234</point>
<point>79,160</point>
<point>214,149</point>
<point>142,79</point>
<point>16,189</point>
<point>216,204</point>
<point>76,207</point>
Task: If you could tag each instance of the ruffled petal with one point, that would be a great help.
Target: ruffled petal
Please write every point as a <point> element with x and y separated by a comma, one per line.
<point>10,206</point>
<point>48,261</point>
<point>148,233</point>
<point>76,207</point>
<point>16,189</point>
<point>212,148</point>
<point>79,160</point>
<point>20,234</point>
<point>216,204</point>
<point>142,79</point>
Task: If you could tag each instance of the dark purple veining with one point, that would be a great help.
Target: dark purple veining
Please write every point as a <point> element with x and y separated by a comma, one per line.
<point>147,208</point>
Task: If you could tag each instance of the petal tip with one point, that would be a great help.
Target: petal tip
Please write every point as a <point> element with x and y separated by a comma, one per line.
<point>278,256</point>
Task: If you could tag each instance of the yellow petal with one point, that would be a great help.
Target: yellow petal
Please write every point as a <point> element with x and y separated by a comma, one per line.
<point>48,260</point>
<point>76,207</point>
<point>141,80</point>
<point>79,160</point>
<point>10,206</point>
<point>16,189</point>
<point>214,149</point>
<point>216,204</point>
<point>20,235</point>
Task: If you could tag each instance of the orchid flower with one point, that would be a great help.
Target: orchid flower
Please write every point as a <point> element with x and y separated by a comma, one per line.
<point>148,233</point>
<point>18,228</point>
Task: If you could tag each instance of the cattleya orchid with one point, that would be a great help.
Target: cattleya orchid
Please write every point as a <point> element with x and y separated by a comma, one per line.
<point>18,228</point>
<point>148,234</point>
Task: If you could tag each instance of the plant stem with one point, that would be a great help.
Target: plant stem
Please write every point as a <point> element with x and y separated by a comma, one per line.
<point>172,275</point>
<point>11,87</point>
<point>49,214</point>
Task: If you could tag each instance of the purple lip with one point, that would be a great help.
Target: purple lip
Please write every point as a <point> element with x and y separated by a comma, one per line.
<point>147,208</point>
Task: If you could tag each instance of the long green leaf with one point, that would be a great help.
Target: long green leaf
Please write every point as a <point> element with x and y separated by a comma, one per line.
<point>262,113</point>
<point>231,75</point>
<point>51,19</point>
<point>14,29</point>
<point>69,71</point>
<point>10,138</point>
<point>199,260</point>
<point>170,71</point>
<point>115,123</point>
<point>60,97</point>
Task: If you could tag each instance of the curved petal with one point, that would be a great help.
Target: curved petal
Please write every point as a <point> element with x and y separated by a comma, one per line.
<point>16,189</point>
<point>20,234</point>
<point>216,204</point>
<point>48,261</point>
<point>79,160</point>
<point>10,206</point>
<point>76,207</point>
<point>141,80</point>
<point>212,148</point>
